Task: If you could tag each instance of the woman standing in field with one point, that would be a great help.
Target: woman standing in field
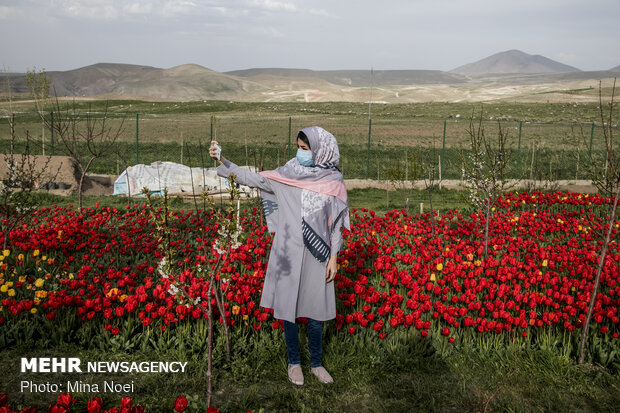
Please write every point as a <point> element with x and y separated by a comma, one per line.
<point>305,203</point>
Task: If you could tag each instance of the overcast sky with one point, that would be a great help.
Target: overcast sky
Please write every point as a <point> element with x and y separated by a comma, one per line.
<point>312,34</point>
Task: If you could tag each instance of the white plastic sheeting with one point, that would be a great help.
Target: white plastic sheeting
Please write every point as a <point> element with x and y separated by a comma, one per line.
<point>174,177</point>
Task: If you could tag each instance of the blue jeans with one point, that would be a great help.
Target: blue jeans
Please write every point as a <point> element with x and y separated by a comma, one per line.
<point>315,337</point>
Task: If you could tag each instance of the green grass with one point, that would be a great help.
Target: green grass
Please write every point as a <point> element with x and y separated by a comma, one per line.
<point>381,200</point>
<point>543,139</point>
<point>370,198</point>
<point>402,373</point>
<point>555,112</point>
<point>409,374</point>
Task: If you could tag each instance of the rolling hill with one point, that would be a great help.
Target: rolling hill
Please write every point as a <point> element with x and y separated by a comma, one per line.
<point>513,61</point>
<point>507,75</point>
<point>361,78</point>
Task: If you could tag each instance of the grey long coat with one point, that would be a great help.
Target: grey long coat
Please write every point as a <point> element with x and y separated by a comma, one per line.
<point>295,281</point>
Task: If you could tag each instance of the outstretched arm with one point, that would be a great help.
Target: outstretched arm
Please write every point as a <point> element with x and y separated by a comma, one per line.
<point>243,176</point>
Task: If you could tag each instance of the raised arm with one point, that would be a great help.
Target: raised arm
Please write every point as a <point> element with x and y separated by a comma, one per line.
<point>244,176</point>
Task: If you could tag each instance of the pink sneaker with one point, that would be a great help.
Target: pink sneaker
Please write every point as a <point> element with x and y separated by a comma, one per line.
<point>295,375</point>
<point>322,375</point>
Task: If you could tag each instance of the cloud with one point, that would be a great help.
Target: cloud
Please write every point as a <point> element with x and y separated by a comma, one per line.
<point>107,10</point>
<point>7,12</point>
<point>272,32</point>
<point>273,5</point>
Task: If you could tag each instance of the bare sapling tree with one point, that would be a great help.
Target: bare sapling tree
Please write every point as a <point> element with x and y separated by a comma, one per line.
<point>606,176</point>
<point>208,275</point>
<point>542,177</point>
<point>38,85</point>
<point>85,137</point>
<point>484,171</point>
<point>22,173</point>
<point>430,172</point>
<point>395,175</point>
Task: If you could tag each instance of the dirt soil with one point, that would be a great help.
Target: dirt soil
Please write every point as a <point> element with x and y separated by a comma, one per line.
<point>62,176</point>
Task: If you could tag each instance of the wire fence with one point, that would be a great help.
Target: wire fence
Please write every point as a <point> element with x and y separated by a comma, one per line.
<point>382,149</point>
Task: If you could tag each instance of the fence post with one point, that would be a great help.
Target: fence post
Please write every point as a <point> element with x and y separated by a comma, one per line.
<point>288,153</point>
<point>591,139</point>
<point>519,152</point>
<point>52,131</point>
<point>137,121</point>
<point>368,149</point>
<point>443,147</point>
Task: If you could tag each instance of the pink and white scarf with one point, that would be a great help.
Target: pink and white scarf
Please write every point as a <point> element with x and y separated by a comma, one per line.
<point>323,196</point>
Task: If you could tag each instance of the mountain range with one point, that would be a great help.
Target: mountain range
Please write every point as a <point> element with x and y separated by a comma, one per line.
<point>507,74</point>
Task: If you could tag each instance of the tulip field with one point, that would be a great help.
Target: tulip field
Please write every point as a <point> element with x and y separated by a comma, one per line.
<point>90,279</point>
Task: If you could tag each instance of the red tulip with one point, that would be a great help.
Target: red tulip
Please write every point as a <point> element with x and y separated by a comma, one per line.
<point>180,404</point>
<point>65,400</point>
<point>126,402</point>
<point>95,405</point>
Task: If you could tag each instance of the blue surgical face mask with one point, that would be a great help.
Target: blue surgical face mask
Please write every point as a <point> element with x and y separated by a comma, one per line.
<point>304,157</point>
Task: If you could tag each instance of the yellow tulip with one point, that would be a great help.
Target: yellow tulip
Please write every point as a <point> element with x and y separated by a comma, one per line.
<point>432,278</point>
<point>439,267</point>
<point>6,253</point>
<point>4,288</point>
<point>33,310</point>
<point>11,293</point>
<point>39,283</point>
<point>35,253</point>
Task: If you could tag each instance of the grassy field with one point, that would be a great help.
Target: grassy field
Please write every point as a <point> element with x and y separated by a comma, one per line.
<point>399,374</point>
<point>404,375</point>
<point>395,124</point>
<point>544,140</point>
<point>379,200</point>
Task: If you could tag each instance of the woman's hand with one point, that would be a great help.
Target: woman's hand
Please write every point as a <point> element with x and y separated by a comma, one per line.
<point>213,152</point>
<point>332,268</point>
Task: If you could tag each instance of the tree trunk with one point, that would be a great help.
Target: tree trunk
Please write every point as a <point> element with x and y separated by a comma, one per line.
<point>210,348</point>
<point>220,305</point>
<point>486,231</point>
<point>597,279</point>
<point>90,161</point>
